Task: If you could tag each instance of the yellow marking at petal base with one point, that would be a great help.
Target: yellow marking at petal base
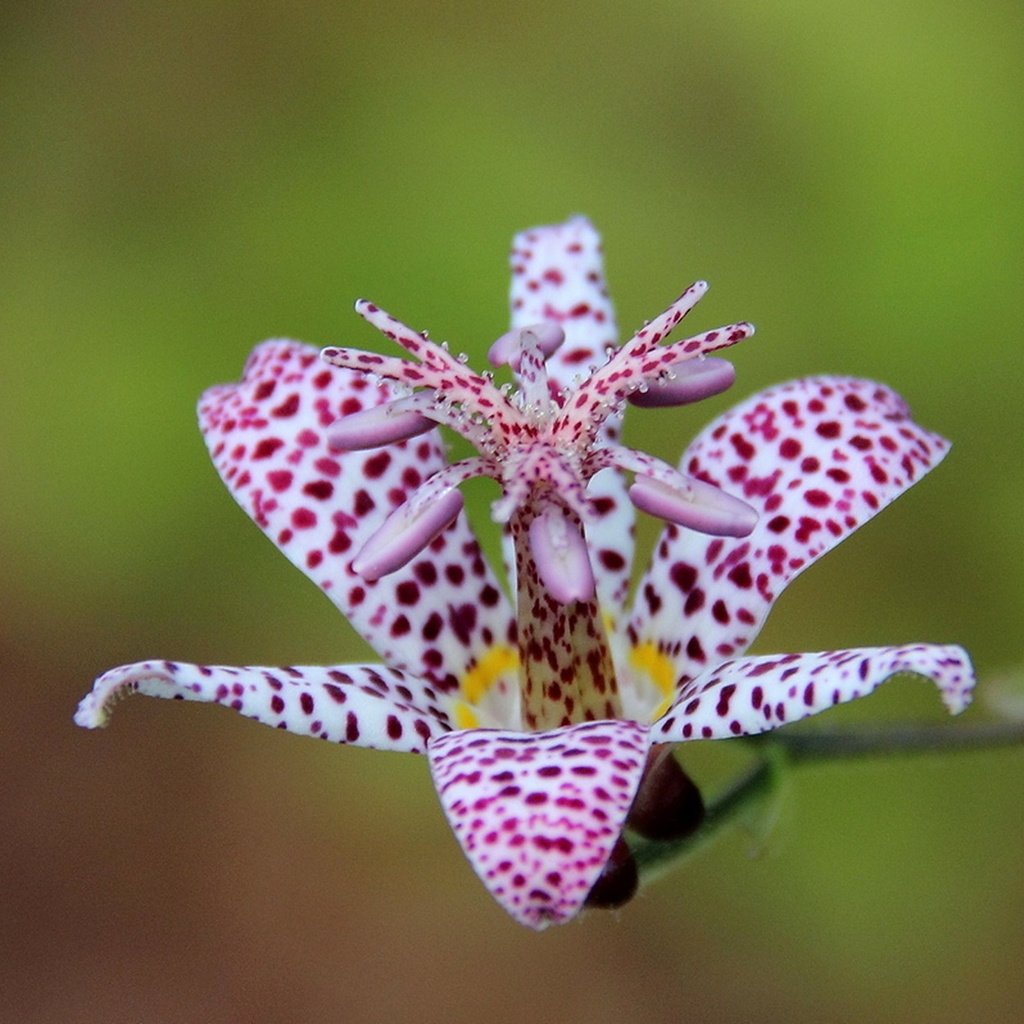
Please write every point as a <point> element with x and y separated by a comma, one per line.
<point>659,670</point>
<point>661,709</point>
<point>466,717</point>
<point>486,672</point>
<point>647,658</point>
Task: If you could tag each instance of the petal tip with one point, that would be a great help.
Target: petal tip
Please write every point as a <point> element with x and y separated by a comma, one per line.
<point>538,833</point>
<point>957,680</point>
<point>91,714</point>
<point>95,708</point>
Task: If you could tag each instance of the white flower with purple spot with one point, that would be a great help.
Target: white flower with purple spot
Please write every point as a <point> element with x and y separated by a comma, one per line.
<point>544,717</point>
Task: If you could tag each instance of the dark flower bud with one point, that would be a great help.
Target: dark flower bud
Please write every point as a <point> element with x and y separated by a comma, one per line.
<point>668,804</point>
<point>618,881</point>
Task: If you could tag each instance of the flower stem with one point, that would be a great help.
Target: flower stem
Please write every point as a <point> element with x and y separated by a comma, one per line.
<point>654,856</point>
<point>885,740</point>
<point>777,750</point>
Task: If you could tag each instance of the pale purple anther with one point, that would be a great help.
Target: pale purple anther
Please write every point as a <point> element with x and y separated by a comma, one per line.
<point>560,553</point>
<point>379,426</point>
<point>701,506</point>
<point>508,349</point>
<point>687,382</point>
<point>405,533</point>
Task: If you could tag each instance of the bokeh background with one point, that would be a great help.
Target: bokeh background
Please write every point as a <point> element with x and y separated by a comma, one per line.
<point>181,181</point>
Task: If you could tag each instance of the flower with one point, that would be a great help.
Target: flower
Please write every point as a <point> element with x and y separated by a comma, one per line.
<point>543,722</point>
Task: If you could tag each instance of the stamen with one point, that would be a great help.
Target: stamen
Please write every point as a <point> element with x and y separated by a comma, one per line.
<point>702,507</point>
<point>508,349</point>
<point>560,553</point>
<point>686,382</point>
<point>383,424</point>
<point>640,362</point>
<point>405,533</point>
<point>533,378</point>
<point>542,442</point>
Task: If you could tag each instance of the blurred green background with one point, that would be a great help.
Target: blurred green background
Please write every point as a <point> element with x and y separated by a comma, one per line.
<point>181,181</point>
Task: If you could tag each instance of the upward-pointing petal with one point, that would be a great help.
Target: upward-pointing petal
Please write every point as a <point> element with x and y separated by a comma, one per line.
<point>816,458</point>
<point>538,814</point>
<point>558,277</point>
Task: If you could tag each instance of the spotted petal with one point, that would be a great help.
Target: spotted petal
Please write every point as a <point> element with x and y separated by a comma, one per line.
<point>365,705</point>
<point>558,276</point>
<point>746,696</point>
<point>816,458</point>
<point>268,437</point>
<point>538,814</point>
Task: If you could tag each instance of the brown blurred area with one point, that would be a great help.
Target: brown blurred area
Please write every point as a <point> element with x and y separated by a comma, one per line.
<point>182,182</point>
<point>189,866</point>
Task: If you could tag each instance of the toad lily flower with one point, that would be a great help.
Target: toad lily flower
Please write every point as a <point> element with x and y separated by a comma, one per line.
<point>544,720</point>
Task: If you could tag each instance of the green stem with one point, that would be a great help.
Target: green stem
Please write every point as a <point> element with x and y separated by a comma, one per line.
<point>781,748</point>
<point>885,740</point>
<point>653,856</point>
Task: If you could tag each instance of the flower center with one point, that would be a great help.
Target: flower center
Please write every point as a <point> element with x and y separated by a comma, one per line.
<point>543,444</point>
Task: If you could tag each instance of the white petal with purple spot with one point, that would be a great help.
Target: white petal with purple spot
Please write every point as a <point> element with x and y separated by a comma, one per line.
<point>364,705</point>
<point>558,276</point>
<point>538,814</point>
<point>269,439</point>
<point>747,696</point>
<point>816,458</point>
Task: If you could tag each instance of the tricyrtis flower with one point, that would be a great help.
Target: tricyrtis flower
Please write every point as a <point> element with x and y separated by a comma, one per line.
<point>543,717</point>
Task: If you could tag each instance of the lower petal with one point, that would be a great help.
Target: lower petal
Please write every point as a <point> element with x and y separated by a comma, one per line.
<point>746,696</point>
<point>364,705</point>
<point>538,814</point>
